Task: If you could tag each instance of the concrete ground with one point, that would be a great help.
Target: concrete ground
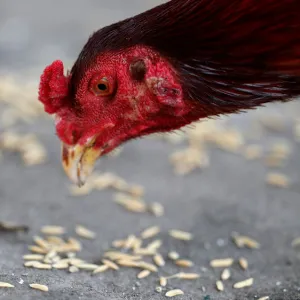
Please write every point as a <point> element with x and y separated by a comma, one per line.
<point>230,195</point>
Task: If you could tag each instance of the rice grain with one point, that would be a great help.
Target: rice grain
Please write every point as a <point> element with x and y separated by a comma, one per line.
<point>163,281</point>
<point>143,274</point>
<point>84,232</point>
<point>278,180</point>
<point>150,232</point>
<point>181,235</point>
<point>73,269</point>
<point>173,255</point>
<point>221,263</point>
<point>225,275</point>
<point>157,209</point>
<point>86,266</point>
<point>220,286</point>
<point>243,263</point>
<point>188,276</point>
<point>33,257</point>
<point>37,249</point>
<point>184,263</point>
<point>173,293</point>
<point>61,265</point>
<point>155,245</point>
<point>53,230</point>
<point>159,260</point>
<point>39,287</point>
<point>242,241</point>
<point>101,269</point>
<point>110,264</point>
<point>244,283</point>
<point>296,242</point>
<point>6,285</point>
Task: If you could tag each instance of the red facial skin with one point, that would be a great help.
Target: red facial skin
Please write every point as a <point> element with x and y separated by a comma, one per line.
<point>134,108</point>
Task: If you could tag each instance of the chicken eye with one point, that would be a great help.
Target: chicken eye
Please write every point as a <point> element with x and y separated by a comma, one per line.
<point>101,87</point>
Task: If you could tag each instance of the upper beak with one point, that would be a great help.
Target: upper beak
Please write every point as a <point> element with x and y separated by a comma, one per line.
<point>78,161</point>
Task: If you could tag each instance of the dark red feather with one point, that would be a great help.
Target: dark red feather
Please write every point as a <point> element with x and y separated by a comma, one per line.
<point>229,55</point>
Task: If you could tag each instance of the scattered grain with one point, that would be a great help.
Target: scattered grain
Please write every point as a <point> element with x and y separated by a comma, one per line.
<point>158,289</point>
<point>38,265</point>
<point>61,265</point>
<point>220,286</point>
<point>143,274</point>
<point>115,255</point>
<point>84,232</point>
<point>128,263</point>
<point>40,287</point>
<point>6,285</point>
<point>130,204</point>
<point>188,276</point>
<point>74,244</point>
<point>55,240</point>
<point>147,266</point>
<point>130,241</point>
<point>51,254</point>
<point>244,283</point>
<point>37,249</point>
<point>33,257</point>
<point>86,266</point>
<point>296,242</point>
<point>118,243</point>
<point>136,190</point>
<point>157,209</point>
<point>181,235</point>
<point>173,293</point>
<point>173,255</point>
<point>228,140</point>
<point>155,245</point>
<point>73,269</point>
<point>75,261</point>
<point>264,298</point>
<point>150,232</point>
<point>10,227</point>
<point>41,242</point>
<point>159,260</point>
<point>144,251</point>
<point>278,180</point>
<point>221,263</point>
<point>110,264</point>
<point>242,241</point>
<point>184,263</point>
<point>53,230</point>
<point>253,152</point>
<point>101,269</point>
<point>225,275</point>
<point>243,263</point>
<point>163,281</point>
<point>137,244</point>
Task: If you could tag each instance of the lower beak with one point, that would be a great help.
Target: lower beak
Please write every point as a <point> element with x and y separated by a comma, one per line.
<point>78,162</point>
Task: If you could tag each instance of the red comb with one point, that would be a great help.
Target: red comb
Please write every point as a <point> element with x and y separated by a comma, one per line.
<point>53,88</point>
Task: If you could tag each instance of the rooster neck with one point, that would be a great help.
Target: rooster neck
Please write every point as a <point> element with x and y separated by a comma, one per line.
<point>228,56</point>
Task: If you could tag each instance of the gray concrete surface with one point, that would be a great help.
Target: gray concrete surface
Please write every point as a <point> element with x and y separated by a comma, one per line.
<point>229,196</point>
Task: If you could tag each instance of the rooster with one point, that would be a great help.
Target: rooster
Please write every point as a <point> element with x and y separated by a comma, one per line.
<point>168,67</point>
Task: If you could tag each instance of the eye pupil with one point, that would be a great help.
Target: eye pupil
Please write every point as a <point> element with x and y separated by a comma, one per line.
<point>102,87</point>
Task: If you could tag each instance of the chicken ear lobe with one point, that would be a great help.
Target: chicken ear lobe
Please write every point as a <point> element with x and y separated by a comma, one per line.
<point>168,94</point>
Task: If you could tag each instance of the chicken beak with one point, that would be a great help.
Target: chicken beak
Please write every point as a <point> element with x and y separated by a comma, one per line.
<point>78,162</point>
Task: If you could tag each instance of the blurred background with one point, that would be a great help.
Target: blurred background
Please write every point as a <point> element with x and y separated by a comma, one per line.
<point>238,174</point>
